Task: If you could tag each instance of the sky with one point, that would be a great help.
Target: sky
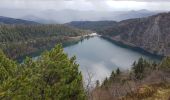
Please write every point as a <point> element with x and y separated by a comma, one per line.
<point>96,5</point>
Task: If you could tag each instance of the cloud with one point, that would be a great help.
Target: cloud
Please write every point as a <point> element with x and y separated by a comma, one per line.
<point>145,0</point>
<point>55,4</point>
<point>93,0</point>
<point>99,5</point>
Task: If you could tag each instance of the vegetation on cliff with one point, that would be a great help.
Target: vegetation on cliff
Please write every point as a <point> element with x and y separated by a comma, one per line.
<point>150,33</point>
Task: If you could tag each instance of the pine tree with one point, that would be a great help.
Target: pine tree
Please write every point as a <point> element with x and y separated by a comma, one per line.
<point>165,64</point>
<point>97,83</point>
<point>105,82</point>
<point>117,71</point>
<point>112,76</point>
<point>138,68</point>
<point>52,76</point>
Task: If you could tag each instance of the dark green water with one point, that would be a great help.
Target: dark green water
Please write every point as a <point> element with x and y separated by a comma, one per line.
<point>99,56</point>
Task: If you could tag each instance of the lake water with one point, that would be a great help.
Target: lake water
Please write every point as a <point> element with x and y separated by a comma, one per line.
<point>99,57</point>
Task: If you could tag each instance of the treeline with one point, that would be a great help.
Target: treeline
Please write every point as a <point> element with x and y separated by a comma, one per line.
<point>20,40</point>
<point>97,26</point>
<point>141,82</point>
<point>53,76</point>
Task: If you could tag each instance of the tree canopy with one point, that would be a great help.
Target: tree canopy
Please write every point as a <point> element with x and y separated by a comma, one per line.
<point>53,76</point>
<point>20,40</point>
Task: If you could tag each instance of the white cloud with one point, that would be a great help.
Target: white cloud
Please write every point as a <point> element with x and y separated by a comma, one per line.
<point>87,4</point>
<point>144,0</point>
<point>128,5</point>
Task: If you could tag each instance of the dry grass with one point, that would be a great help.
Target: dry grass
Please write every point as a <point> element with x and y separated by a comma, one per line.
<point>154,87</point>
<point>150,92</point>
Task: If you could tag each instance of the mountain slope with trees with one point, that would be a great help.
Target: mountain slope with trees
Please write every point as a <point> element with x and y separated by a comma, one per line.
<point>20,40</point>
<point>151,33</point>
<point>96,26</point>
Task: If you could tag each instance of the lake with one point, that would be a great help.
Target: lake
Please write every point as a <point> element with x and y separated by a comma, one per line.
<point>99,56</point>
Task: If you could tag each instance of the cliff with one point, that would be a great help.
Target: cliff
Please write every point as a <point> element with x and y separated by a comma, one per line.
<point>151,33</point>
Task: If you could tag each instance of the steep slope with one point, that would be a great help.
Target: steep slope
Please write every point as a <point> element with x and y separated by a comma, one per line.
<point>150,33</point>
<point>7,20</point>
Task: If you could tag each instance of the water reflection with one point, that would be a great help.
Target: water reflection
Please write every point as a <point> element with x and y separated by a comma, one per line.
<point>99,57</point>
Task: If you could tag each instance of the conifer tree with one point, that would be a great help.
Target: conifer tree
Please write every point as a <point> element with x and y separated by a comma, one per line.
<point>53,76</point>
<point>138,68</point>
<point>117,71</point>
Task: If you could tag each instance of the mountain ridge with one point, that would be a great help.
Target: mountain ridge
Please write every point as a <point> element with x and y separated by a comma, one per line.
<point>50,16</point>
<point>92,25</point>
<point>8,20</point>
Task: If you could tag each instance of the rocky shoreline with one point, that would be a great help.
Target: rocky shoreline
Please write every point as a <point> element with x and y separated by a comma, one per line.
<point>131,46</point>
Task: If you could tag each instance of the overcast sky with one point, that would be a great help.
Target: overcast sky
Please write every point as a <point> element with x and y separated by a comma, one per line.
<point>97,5</point>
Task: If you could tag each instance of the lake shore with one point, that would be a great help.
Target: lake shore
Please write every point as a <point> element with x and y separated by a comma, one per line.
<point>66,42</point>
<point>131,46</point>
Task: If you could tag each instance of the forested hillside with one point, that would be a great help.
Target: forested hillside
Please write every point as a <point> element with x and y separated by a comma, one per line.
<point>20,40</point>
<point>96,26</point>
<point>53,76</point>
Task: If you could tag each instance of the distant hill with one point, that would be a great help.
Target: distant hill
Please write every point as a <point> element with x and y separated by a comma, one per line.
<point>92,25</point>
<point>38,19</point>
<point>7,20</point>
<point>134,14</point>
<point>67,15</point>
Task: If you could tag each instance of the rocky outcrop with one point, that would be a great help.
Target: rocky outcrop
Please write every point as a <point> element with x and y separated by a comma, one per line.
<point>150,33</point>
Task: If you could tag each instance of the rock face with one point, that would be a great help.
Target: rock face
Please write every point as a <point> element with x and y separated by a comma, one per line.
<point>150,33</point>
